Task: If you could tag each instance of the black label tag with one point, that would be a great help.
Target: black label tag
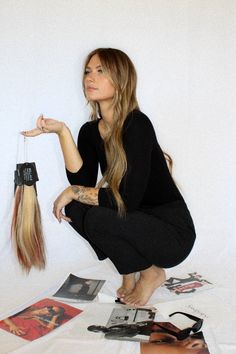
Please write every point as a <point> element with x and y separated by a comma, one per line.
<point>26,173</point>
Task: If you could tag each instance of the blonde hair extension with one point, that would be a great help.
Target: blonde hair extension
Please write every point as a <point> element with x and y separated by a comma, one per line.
<point>26,228</point>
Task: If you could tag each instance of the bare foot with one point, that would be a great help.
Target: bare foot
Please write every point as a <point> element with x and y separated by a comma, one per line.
<point>150,279</point>
<point>128,284</point>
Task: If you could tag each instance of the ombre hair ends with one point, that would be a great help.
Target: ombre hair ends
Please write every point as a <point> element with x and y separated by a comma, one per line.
<point>26,229</point>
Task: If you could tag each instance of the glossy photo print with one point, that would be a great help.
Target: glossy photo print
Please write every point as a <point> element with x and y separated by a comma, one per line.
<point>39,319</point>
<point>79,289</point>
<point>164,340</point>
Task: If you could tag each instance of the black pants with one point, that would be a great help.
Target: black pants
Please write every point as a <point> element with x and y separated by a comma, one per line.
<point>162,236</point>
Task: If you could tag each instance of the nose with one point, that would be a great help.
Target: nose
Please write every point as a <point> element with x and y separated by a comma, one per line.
<point>90,77</point>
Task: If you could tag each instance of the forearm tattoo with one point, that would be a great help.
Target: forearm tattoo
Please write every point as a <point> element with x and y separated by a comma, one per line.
<point>86,195</point>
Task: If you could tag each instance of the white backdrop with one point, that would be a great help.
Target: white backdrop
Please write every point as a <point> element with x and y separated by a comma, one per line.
<point>185,54</point>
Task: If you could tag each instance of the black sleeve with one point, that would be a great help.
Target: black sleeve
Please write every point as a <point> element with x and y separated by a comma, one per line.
<point>138,140</point>
<point>87,175</point>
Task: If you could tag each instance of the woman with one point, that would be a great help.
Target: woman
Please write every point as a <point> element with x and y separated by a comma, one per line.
<point>33,323</point>
<point>135,215</point>
<point>166,338</point>
<point>164,343</point>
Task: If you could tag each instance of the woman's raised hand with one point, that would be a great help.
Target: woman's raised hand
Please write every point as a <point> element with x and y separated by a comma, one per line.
<point>45,125</point>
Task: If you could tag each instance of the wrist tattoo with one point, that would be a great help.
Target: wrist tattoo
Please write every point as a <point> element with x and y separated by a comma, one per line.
<point>86,195</point>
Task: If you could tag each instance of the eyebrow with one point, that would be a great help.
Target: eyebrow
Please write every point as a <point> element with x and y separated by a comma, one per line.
<point>97,67</point>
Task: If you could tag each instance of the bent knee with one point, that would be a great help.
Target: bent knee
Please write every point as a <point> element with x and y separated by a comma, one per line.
<point>96,220</point>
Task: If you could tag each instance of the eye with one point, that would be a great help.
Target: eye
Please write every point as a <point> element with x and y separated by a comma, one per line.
<point>101,71</point>
<point>87,71</point>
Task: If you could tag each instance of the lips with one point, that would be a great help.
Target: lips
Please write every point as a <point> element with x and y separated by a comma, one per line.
<point>91,88</point>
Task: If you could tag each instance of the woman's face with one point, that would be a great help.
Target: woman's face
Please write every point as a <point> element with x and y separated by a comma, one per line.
<point>164,343</point>
<point>98,87</point>
<point>45,311</point>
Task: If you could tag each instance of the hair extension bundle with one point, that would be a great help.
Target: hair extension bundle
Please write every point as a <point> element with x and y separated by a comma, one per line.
<point>26,228</point>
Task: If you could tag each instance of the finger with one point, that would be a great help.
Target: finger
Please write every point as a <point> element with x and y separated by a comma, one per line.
<point>61,216</point>
<point>39,121</point>
<point>57,213</point>
<point>64,217</point>
<point>44,125</point>
<point>44,130</point>
<point>32,133</point>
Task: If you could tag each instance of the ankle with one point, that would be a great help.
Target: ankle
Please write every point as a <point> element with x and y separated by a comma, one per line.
<point>153,272</point>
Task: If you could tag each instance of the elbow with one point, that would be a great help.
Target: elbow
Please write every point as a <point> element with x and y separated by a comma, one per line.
<point>74,168</point>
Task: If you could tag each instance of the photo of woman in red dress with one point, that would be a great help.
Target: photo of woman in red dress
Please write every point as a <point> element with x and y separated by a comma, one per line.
<point>39,319</point>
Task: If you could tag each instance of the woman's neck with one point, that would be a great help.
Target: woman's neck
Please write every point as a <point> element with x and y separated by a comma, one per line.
<point>107,114</point>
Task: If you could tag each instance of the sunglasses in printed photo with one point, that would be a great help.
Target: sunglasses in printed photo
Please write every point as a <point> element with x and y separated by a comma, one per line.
<point>184,333</point>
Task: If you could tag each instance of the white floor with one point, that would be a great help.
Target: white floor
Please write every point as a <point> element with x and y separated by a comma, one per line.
<point>217,306</point>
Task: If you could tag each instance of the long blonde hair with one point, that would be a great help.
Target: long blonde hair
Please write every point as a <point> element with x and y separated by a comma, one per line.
<point>26,229</point>
<point>121,71</point>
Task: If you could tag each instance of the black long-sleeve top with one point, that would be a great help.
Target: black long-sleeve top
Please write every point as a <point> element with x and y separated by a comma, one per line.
<point>147,182</point>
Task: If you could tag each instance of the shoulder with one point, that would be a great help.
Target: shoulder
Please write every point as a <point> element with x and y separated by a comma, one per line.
<point>88,128</point>
<point>138,121</point>
<point>89,125</point>
<point>88,134</point>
